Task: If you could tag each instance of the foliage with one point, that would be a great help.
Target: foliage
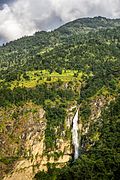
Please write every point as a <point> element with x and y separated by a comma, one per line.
<point>75,62</point>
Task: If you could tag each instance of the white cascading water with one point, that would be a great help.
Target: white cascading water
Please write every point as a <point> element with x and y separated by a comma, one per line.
<point>75,139</point>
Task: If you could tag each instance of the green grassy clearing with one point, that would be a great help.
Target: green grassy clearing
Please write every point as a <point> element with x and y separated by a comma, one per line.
<point>44,76</point>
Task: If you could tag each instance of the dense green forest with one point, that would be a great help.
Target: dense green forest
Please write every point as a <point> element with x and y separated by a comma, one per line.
<point>79,61</point>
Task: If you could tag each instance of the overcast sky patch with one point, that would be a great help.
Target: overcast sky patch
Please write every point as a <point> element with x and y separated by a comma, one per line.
<point>24,17</point>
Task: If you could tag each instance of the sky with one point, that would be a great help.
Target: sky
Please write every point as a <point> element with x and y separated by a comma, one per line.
<point>24,17</point>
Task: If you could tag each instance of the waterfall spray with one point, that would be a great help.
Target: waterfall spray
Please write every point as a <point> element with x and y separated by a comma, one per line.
<point>75,139</point>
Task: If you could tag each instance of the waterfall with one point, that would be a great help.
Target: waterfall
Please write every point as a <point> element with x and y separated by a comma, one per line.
<point>75,139</point>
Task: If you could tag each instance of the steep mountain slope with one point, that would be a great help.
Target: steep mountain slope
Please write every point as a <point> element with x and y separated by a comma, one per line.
<point>44,80</point>
<point>40,51</point>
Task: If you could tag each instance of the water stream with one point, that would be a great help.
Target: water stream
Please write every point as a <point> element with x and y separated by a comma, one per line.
<point>75,139</point>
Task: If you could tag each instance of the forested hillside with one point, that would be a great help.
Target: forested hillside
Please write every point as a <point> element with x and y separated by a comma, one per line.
<point>74,66</point>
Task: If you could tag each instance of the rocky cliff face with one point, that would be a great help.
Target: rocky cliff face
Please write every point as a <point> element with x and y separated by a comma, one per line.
<point>29,126</point>
<point>23,137</point>
<point>90,125</point>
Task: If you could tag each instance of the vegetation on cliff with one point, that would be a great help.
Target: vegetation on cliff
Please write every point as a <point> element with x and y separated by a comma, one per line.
<point>78,62</point>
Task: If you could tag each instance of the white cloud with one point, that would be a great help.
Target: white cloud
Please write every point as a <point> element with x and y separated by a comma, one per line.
<point>15,21</point>
<point>24,17</point>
